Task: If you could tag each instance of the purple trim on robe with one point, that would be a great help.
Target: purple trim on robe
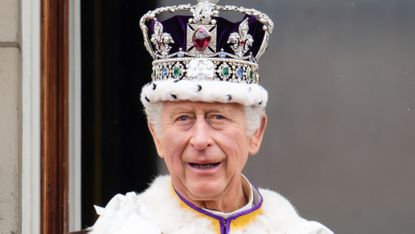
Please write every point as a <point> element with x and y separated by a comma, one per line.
<point>225,223</point>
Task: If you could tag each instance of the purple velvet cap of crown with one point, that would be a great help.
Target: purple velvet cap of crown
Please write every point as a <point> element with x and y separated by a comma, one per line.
<point>176,26</point>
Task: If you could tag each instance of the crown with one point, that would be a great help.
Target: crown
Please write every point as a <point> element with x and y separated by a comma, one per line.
<point>197,44</point>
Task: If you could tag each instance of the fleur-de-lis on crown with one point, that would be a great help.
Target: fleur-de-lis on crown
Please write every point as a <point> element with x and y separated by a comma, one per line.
<point>161,40</point>
<point>241,41</point>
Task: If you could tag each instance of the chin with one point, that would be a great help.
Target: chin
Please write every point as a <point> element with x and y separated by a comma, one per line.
<point>206,190</point>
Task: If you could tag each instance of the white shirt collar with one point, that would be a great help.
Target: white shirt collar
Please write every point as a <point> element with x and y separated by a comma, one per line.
<point>247,187</point>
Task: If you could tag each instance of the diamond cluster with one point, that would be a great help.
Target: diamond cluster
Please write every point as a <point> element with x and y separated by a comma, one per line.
<point>206,69</point>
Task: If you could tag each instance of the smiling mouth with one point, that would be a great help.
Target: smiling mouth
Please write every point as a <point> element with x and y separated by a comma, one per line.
<point>204,166</point>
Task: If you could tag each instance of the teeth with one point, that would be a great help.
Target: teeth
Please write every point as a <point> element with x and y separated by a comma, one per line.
<point>204,166</point>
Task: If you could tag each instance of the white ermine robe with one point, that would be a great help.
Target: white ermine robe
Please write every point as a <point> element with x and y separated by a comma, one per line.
<point>161,210</point>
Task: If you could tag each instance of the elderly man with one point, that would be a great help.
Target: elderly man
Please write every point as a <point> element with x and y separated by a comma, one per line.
<point>206,113</point>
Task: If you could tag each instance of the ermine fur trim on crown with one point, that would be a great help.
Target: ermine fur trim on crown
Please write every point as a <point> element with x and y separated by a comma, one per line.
<point>204,91</point>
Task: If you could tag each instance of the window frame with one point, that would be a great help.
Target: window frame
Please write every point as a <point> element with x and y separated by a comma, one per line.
<point>54,116</point>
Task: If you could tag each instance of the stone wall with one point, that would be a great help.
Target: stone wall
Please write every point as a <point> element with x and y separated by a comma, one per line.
<point>9,116</point>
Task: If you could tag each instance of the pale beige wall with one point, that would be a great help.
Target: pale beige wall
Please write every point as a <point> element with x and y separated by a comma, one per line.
<point>9,117</point>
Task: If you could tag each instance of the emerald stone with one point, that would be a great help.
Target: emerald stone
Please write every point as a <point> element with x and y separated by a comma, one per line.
<point>225,71</point>
<point>177,72</point>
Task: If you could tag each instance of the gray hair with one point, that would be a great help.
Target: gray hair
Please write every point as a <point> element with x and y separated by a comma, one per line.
<point>253,116</point>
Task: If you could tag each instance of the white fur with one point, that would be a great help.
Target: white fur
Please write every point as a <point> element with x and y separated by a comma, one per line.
<point>159,207</point>
<point>252,96</point>
<point>211,91</point>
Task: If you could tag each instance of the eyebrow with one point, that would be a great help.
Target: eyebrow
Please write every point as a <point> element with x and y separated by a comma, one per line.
<point>225,111</point>
<point>179,110</point>
<point>207,110</point>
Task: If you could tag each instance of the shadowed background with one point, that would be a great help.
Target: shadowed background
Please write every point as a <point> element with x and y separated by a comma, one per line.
<point>340,142</point>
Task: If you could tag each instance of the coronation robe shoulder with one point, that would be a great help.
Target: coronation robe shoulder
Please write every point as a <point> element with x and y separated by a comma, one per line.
<point>159,210</point>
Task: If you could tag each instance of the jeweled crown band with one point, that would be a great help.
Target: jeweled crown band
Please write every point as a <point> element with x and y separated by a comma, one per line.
<point>230,70</point>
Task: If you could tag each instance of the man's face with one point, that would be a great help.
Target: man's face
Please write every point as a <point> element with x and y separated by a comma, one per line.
<point>205,147</point>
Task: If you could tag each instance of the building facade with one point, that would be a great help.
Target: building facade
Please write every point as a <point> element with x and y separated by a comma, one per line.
<point>10,118</point>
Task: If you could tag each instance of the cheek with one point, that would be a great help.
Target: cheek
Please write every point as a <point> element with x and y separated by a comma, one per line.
<point>234,144</point>
<point>174,145</point>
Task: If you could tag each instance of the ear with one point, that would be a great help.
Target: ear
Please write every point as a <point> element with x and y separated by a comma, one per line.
<point>256,139</point>
<point>156,139</point>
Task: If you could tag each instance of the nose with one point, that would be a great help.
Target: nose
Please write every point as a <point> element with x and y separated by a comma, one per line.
<point>201,138</point>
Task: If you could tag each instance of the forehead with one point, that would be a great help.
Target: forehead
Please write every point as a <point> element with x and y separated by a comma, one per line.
<point>189,106</point>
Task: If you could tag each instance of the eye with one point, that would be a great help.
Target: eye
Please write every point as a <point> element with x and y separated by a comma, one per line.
<point>183,118</point>
<point>218,117</point>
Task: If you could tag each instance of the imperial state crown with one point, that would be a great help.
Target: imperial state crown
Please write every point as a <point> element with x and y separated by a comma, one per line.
<point>200,55</point>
